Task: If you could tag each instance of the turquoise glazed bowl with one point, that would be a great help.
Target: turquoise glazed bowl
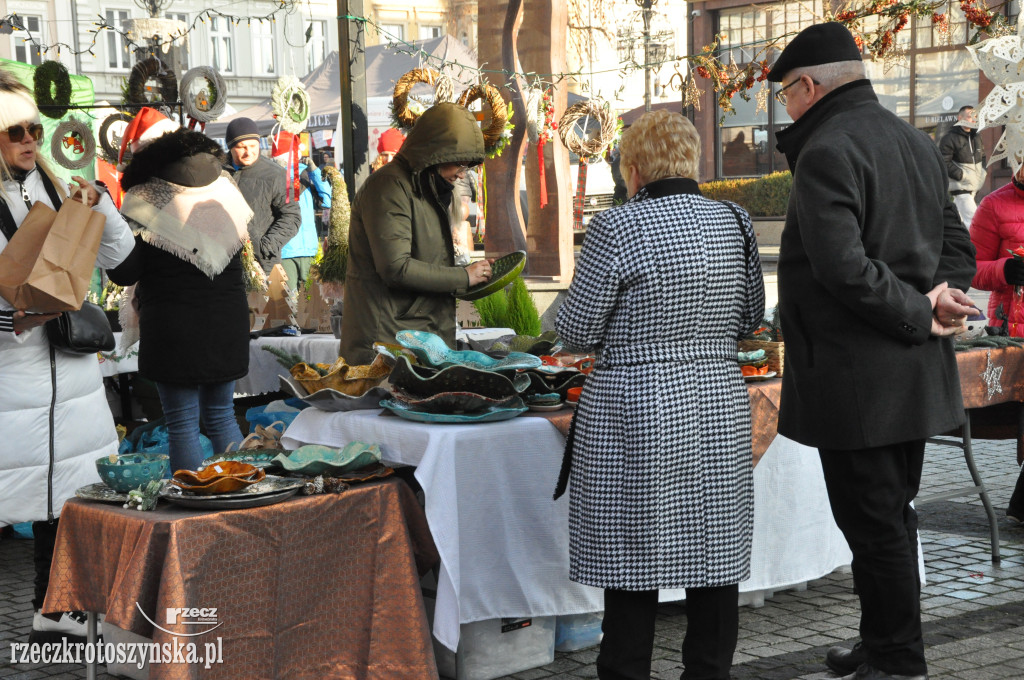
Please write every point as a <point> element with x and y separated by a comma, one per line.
<point>132,470</point>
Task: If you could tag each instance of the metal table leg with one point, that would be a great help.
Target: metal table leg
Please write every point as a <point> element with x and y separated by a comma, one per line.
<point>91,640</point>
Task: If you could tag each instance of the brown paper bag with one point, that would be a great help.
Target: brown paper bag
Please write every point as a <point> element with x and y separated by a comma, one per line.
<point>48,264</point>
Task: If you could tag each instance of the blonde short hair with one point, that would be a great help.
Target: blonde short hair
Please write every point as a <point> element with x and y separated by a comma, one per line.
<point>661,144</point>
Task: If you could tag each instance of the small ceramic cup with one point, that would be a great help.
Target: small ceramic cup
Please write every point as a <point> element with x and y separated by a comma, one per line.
<point>572,395</point>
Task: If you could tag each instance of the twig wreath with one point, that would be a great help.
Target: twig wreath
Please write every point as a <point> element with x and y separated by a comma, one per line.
<point>402,112</point>
<point>110,136</point>
<point>52,89</point>
<point>198,111</point>
<point>290,103</point>
<point>591,146</point>
<point>149,69</point>
<point>498,131</point>
<point>74,135</point>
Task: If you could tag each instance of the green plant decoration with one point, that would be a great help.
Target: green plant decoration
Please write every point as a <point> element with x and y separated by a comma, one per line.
<point>766,196</point>
<point>331,267</point>
<point>512,307</point>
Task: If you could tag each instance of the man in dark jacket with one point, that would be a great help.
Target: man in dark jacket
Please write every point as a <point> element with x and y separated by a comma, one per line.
<point>871,260</point>
<point>275,219</point>
<point>401,259</point>
<point>964,157</point>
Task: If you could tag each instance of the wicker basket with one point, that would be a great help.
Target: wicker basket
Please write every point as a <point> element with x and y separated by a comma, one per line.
<point>775,351</point>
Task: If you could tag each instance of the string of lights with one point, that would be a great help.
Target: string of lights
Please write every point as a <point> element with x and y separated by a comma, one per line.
<point>874,23</point>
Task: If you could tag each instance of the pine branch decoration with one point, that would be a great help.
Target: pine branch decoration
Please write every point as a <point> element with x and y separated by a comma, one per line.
<point>333,266</point>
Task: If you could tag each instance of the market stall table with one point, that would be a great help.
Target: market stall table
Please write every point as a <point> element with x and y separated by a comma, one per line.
<point>314,587</point>
<point>503,541</point>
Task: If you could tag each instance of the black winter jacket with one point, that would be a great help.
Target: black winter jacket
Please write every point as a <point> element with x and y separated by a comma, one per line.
<point>275,219</point>
<point>964,157</point>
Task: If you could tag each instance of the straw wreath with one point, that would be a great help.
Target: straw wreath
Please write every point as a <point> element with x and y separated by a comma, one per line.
<point>499,112</point>
<point>216,88</point>
<point>593,146</point>
<point>68,130</point>
<point>401,112</point>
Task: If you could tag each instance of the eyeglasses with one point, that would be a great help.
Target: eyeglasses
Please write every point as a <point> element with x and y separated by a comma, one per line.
<point>781,95</point>
<point>16,133</point>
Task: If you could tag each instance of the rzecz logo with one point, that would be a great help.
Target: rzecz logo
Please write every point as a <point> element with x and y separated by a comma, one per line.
<point>187,616</point>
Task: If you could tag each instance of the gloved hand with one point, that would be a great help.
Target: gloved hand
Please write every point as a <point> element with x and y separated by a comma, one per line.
<point>1013,270</point>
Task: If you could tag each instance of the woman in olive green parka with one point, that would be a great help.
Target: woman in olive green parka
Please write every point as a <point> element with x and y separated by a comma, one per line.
<point>401,261</point>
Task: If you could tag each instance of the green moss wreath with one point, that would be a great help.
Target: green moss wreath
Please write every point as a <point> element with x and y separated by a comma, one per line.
<point>52,89</point>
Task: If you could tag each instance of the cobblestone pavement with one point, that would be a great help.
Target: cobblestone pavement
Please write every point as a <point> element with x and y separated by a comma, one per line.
<point>973,612</point>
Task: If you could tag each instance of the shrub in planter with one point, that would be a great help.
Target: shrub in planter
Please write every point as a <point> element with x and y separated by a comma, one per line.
<point>765,196</point>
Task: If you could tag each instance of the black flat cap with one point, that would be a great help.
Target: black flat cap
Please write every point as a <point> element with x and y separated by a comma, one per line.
<point>818,44</point>
<point>241,129</point>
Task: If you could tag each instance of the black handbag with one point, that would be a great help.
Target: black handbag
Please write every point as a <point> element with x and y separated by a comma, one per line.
<point>85,331</point>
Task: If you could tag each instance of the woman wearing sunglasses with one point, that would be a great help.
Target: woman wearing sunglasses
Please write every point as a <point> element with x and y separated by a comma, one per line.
<point>54,417</point>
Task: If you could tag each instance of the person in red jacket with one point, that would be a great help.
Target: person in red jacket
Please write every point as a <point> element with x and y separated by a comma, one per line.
<point>998,229</point>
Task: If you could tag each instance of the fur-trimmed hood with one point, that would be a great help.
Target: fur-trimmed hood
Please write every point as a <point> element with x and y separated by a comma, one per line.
<point>182,157</point>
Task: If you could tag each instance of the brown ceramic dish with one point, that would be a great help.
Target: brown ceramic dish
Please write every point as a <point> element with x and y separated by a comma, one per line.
<point>220,477</point>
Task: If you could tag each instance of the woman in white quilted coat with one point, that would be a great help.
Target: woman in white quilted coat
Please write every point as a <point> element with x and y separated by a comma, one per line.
<point>661,479</point>
<point>67,406</point>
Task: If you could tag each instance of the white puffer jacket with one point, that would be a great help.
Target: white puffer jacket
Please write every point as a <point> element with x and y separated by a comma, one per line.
<point>32,486</point>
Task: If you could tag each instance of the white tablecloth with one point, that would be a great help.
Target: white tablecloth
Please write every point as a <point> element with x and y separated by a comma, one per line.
<point>320,348</point>
<point>504,543</point>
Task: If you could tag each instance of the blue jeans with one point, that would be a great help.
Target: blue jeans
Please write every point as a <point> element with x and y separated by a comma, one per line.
<point>183,405</point>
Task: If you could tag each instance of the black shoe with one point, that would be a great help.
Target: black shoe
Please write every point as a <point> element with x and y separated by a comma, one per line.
<point>869,672</point>
<point>843,661</point>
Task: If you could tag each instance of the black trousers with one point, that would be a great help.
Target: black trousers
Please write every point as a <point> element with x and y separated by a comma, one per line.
<point>870,492</point>
<point>45,535</point>
<point>1016,505</point>
<point>712,625</point>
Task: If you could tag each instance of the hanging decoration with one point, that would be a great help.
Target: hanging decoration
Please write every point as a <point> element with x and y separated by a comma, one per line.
<point>290,103</point>
<point>1002,61</point>
<point>209,103</point>
<point>152,68</point>
<point>72,145</point>
<point>111,130</point>
<point>405,111</point>
<point>585,147</point>
<point>498,131</point>
<point>540,123</point>
<point>444,90</point>
<point>52,89</point>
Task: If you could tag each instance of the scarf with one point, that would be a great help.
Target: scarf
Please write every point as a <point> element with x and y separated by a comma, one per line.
<point>204,226</point>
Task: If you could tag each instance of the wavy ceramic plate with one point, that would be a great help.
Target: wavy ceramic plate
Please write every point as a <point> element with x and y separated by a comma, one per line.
<point>260,458</point>
<point>267,492</point>
<point>333,400</point>
<point>423,381</point>
<point>545,407</point>
<point>544,383</point>
<point>450,402</point>
<point>313,459</point>
<point>102,493</point>
<point>760,378</point>
<point>487,416</point>
<point>433,351</point>
<point>503,271</point>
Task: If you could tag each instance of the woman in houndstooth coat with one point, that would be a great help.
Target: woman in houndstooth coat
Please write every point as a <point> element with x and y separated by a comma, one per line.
<point>661,484</point>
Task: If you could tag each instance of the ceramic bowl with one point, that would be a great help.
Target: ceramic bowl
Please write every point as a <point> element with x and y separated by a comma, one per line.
<point>431,350</point>
<point>354,381</point>
<point>449,402</point>
<point>423,381</point>
<point>488,415</point>
<point>314,459</point>
<point>220,477</point>
<point>542,382</point>
<point>503,271</point>
<point>131,470</point>
<point>573,394</point>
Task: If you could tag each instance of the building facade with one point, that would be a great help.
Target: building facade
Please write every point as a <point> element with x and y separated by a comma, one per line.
<point>931,80</point>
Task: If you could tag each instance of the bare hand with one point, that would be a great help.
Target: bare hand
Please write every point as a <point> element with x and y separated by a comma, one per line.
<point>86,192</point>
<point>950,308</point>
<point>480,271</point>
<point>23,322</point>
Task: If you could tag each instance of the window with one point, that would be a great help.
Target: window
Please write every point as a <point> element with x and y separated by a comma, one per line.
<point>428,32</point>
<point>179,51</point>
<point>316,46</point>
<point>392,32</point>
<point>222,49</point>
<point>28,39</point>
<point>263,49</point>
<point>118,56</point>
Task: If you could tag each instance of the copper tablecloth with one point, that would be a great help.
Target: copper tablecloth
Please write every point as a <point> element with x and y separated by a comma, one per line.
<point>314,587</point>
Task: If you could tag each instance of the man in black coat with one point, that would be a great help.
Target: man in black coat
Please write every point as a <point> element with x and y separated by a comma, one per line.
<point>275,219</point>
<point>872,268</point>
